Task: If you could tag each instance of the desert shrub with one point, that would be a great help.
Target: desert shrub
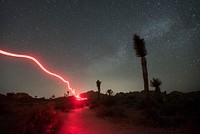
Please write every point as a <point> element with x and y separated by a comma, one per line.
<point>63,106</point>
<point>171,121</point>
<point>168,110</point>
<point>109,101</point>
<point>103,111</point>
<point>156,119</point>
<point>93,104</point>
<point>35,119</point>
<point>151,113</point>
<point>112,111</point>
<point>3,107</point>
<point>143,104</point>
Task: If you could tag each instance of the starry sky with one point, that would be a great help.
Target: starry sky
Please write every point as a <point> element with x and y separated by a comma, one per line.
<point>87,40</point>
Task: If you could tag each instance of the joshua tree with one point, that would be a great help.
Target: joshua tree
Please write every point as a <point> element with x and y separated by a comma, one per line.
<point>67,93</point>
<point>155,82</point>
<point>139,46</point>
<point>99,88</point>
<point>53,96</point>
<point>109,92</point>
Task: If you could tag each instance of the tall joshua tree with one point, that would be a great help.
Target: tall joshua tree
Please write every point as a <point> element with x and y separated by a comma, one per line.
<point>139,46</point>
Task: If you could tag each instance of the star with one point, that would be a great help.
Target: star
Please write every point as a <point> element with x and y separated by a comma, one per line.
<point>89,40</point>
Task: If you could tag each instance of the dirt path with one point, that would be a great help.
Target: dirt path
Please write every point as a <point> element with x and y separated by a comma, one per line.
<point>84,121</point>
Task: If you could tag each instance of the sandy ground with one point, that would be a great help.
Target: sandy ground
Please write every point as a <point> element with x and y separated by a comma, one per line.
<point>84,121</point>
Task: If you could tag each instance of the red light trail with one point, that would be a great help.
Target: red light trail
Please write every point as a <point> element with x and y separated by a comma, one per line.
<point>43,68</point>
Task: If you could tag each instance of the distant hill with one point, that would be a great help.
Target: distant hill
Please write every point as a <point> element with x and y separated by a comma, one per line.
<point>24,97</point>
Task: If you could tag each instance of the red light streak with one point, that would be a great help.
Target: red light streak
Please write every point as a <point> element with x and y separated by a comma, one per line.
<point>42,67</point>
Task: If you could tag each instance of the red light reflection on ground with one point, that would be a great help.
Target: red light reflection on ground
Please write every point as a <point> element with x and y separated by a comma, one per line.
<point>85,121</point>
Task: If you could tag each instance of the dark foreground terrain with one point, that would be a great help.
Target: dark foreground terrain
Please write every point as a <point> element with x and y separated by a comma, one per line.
<point>125,113</point>
<point>175,112</point>
<point>22,114</point>
<point>85,121</point>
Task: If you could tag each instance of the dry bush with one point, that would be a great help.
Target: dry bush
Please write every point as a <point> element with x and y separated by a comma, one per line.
<point>32,118</point>
<point>112,111</point>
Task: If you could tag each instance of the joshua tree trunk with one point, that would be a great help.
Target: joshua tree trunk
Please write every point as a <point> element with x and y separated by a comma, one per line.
<point>158,90</point>
<point>99,93</point>
<point>145,76</point>
<point>99,88</point>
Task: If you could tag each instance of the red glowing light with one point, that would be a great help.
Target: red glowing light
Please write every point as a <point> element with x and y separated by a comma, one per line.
<point>41,66</point>
<point>80,98</point>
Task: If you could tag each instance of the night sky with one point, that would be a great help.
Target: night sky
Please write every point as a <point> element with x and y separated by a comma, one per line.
<point>87,40</point>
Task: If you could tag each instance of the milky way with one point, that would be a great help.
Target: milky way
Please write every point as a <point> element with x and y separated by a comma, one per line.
<point>86,40</point>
